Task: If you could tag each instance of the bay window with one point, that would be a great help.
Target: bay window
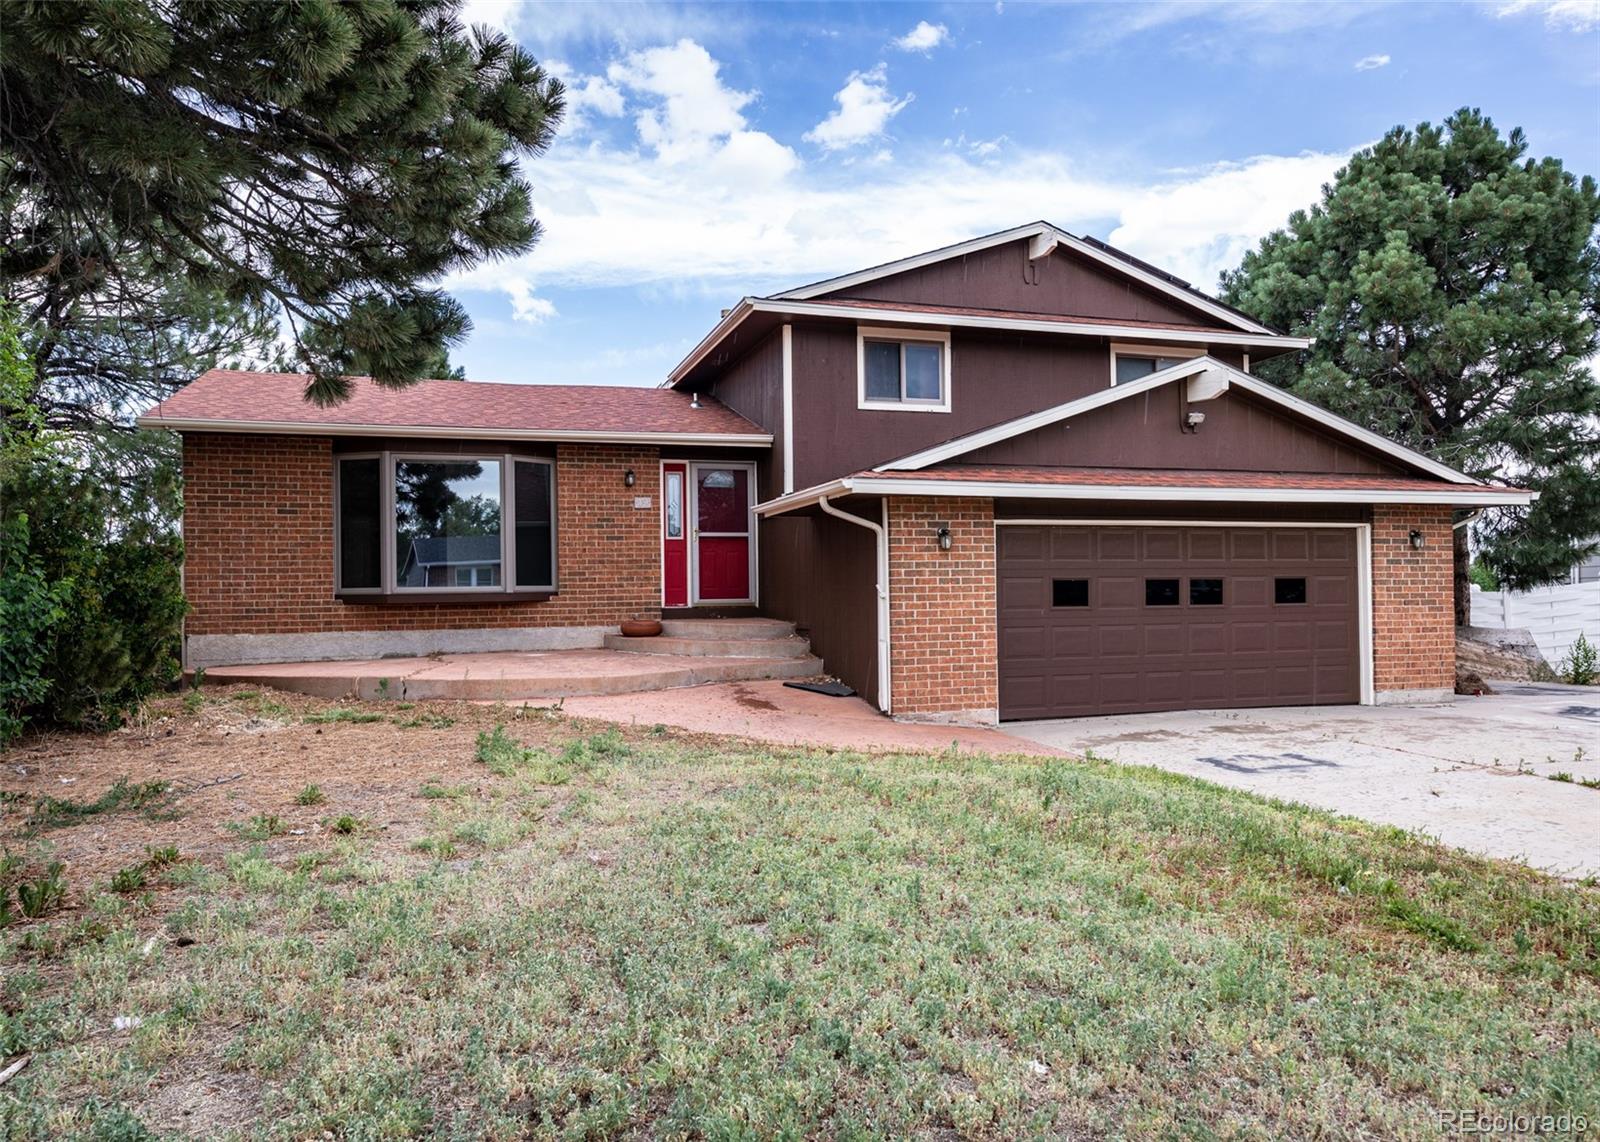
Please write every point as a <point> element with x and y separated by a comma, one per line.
<point>414,524</point>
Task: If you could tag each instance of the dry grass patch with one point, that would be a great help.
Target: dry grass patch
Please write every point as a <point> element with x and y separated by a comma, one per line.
<point>533,925</point>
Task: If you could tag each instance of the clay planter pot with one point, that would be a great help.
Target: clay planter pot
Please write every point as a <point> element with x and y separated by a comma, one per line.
<point>641,628</point>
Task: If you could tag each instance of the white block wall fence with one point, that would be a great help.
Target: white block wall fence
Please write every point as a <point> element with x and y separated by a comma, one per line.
<point>1555,616</point>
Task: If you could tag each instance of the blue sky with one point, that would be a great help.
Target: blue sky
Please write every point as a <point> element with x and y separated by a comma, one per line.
<point>718,150</point>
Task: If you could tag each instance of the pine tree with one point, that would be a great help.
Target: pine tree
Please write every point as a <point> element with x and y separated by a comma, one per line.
<point>327,160</point>
<point>1453,288</point>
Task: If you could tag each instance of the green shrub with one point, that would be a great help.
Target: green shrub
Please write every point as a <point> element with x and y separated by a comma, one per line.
<point>1581,667</point>
<point>93,602</point>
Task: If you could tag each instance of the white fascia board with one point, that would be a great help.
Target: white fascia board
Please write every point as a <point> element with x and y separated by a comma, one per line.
<point>1044,233</point>
<point>916,261</point>
<point>438,432</point>
<point>710,341</point>
<point>1045,417</point>
<point>878,315</point>
<point>987,489</point>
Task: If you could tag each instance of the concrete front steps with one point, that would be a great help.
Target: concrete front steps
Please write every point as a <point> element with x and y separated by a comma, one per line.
<point>720,638</point>
<point>688,653</point>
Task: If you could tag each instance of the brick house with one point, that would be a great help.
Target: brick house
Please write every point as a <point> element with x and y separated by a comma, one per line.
<point>1023,476</point>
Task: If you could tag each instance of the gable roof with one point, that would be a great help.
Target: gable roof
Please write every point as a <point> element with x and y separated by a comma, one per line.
<point>233,400</point>
<point>1044,237</point>
<point>753,318</point>
<point>1217,376</point>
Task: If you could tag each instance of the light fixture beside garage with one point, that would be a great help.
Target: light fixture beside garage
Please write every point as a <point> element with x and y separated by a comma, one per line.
<point>1194,420</point>
<point>1416,539</point>
<point>941,534</point>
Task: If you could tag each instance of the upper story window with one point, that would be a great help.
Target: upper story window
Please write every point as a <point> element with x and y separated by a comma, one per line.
<point>1130,362</point>
<point>896,369</point>
<point>414,523</point>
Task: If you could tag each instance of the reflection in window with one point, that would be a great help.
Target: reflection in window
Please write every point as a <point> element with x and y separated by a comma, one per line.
<point>1161,592</point>
<point>1289,590</point>
<point>674,505</point>
<point>1205,592</point>
<point>447,517</point>
<point>903,372</point>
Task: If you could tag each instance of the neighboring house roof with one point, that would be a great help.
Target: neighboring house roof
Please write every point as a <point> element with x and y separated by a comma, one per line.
<point>230,400</point>
<point>1207,378</point>
<point>1183,484</point>
<point>453,549</point>
<point>1045,238</point>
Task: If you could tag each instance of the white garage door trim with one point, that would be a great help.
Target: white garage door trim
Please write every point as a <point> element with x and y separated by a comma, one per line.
<point>1363,568</point>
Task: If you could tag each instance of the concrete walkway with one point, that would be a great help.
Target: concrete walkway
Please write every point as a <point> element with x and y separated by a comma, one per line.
<point>773,712</point>
<point>1475,773</point>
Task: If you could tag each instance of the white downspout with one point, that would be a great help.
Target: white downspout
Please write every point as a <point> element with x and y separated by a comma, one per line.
<point>883,595</point>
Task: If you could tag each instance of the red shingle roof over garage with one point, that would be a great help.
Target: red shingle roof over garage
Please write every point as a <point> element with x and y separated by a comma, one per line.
<point>231,400</point>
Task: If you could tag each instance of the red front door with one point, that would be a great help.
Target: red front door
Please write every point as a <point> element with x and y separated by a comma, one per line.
<point>674,535</point>
<point>721,533</point>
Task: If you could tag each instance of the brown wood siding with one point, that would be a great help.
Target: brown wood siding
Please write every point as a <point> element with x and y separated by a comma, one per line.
<point>1116,653</point>
<point>821,574</point>
<point>753,388</point>
<point>1239,434</point>
<point>1001,277</point>
<point>994,378</point>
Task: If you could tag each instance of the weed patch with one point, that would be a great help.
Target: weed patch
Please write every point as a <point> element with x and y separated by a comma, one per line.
<point>58,812</point>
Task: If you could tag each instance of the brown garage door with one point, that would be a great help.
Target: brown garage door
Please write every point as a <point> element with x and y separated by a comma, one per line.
<point>1115,620</point>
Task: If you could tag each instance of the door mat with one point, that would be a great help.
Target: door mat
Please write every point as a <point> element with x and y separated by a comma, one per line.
<point>831,689</point>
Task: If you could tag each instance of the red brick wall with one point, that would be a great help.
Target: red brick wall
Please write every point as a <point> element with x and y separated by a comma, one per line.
<point>258,533</point>
<point>1413,620</point>
<point>942,606</point>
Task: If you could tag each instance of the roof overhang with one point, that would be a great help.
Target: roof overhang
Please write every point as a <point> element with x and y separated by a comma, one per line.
<point>882,485</point>
<point>1043,239</point>
<point>879,315</point>
<point>456,432</point>
<point>1206,378</point>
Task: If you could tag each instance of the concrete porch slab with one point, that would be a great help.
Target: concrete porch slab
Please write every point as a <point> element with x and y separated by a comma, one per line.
<point>510,676</point>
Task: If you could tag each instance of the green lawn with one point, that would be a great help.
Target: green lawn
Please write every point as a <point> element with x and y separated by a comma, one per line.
<point>640,934</point>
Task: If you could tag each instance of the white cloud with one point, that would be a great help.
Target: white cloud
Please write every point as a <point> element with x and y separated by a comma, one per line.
<point>1372,63</point>
<point>692,115</point>
<point>864,109</point>
<point>1198,223</point>
<point>923,38</point>
<point>747,217</point>
<point>525,305</point>
<point>1561,15</point>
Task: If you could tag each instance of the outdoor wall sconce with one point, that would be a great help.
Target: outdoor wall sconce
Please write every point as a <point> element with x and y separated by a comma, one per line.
<point>629,479</point>
<point>1416,539</point>
<point>1192,421</point>
<point>942,534</point>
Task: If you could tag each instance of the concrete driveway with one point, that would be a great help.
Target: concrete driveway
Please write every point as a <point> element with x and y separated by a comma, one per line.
<point>1474,774</point>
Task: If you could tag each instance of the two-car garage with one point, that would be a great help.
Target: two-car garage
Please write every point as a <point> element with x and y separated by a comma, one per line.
<point>1116,619</point>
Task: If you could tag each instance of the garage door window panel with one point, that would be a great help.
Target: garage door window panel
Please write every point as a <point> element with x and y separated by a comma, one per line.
<point>1205,592</point>
<point>1069,593</point>
<point>1289,592</point>
<point>1161,592</point>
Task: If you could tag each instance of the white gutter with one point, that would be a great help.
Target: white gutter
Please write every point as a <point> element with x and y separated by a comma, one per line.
<point>455,432</point>
<point>1026,324</point>
<point>1456,495</point>
<point>879,316</point>
<point>882,540</point>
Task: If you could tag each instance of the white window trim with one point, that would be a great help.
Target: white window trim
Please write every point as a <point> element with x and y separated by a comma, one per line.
<point>1170,352</point>
<point>865,333</point>
<point>389,573</point>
